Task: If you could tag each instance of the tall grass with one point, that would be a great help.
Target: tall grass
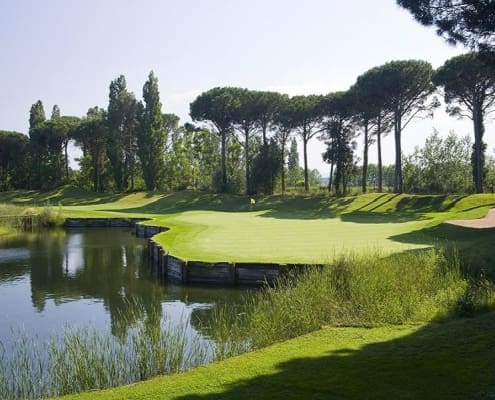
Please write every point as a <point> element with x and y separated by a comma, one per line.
<point>84,358</point>
<point>355,290</point>
<point>14,218</point>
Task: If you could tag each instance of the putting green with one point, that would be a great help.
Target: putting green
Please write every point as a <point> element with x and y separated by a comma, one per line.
<point>284,229</point>
<point>253,236</point>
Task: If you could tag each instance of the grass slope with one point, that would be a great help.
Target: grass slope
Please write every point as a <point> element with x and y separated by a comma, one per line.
<point>297,228</point>
<point>452,360</point>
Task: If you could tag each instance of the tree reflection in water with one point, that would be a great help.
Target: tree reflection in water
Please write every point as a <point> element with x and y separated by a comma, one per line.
<point>98,266</point>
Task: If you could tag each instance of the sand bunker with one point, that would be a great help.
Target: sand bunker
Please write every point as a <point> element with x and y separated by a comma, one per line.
<point>487,222</point>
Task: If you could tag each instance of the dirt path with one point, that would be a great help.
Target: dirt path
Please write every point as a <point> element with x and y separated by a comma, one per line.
<point>487,222</point>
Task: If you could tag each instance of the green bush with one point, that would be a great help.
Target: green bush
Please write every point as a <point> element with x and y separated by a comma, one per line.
<point>49,218</point>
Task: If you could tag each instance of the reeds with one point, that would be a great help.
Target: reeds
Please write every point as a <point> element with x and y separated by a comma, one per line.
<point>354,290</point>
<point>84,358</point>
<point>14,218</point>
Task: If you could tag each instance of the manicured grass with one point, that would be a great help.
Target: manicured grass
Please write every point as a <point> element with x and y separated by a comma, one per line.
<point>452,360</point>
<point>300,229</point>
<point>312,229</point>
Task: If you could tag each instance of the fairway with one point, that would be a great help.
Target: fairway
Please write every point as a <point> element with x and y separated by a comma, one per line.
<point>253,236</point>
<point>280,229</point>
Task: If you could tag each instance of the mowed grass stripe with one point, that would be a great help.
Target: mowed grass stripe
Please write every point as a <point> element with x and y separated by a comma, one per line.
<point>285,229</point>
<point>223,236</point>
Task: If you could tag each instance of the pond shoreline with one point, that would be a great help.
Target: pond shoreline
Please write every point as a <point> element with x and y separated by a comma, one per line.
<point>185,272</point>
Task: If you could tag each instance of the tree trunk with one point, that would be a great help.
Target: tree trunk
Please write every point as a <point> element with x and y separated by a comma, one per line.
<point>365,157</point>
<point>66,144</point>
<point>330,178</point>
<point>398,153</point>
<point>224,161</point>
<point>305,150</point>
<point>283,167</point>
<point>263,129</point>
<point>338,173</point>
<point>478,147</point>
<point>379,146</point>
<point>246,152</point>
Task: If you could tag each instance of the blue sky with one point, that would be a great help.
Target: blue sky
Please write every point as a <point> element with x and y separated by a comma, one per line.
<point>67,52</point>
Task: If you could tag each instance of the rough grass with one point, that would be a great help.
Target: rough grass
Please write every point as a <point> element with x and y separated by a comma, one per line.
<point>452,360</point>
<point>355,290</point>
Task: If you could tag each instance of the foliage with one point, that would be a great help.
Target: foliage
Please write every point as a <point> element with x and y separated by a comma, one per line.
<point>468,82</point>
<point>355,290</point>
<point>373,174</point>
<point>408,86</point>
<point>92,134</point>
<point>434,361</point>
<point>266,167</point>
<point>55,112</point>
<point>49,218</point>
<point>442,165</point>
<point>293,163</point>
<point>217,106</point>
<point>490,174</point>
<point>49,150</point>
<point>122,120</point>
<point>339,134</point>
<point>469,22</point>
<point>13,160</point>
<point>151,138</point>
<point>306,115</point>
<point>36,115</point>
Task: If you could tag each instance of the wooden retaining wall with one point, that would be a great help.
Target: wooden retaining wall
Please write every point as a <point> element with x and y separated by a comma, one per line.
<point>102,222</point>
<point>176,270</point>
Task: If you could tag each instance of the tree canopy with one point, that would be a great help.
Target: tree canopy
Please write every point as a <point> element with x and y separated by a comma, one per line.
<point>469,22</point>
<point>151,137</point>
<point>217,106</point>
<point>468,83</point>
<point>407,85</point>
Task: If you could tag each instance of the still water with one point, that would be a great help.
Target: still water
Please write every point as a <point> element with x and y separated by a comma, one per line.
<point>88,277</point>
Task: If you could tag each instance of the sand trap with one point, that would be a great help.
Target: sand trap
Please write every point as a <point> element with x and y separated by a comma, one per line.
<point>487,222</point>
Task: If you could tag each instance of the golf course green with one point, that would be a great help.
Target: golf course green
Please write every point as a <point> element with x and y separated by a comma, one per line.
<point>432,352</point>
<point>282,229</point>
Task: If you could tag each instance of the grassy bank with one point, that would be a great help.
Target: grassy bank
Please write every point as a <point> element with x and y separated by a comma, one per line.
<point>355,290</point>
<point>442,355</point>
<point>17,218</point>
<point>359,291</point>
<point>452,360</point>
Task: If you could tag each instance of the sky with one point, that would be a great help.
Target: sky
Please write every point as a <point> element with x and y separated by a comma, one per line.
<point>67,53</point>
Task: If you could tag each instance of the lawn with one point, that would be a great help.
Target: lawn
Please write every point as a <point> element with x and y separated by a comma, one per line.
<point>452,360</point>
<point>284,229</point>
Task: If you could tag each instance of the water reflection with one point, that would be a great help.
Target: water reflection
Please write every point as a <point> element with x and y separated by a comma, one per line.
<point>91,275</point>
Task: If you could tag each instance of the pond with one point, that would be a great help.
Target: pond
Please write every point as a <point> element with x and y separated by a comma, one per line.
<point>89,277</point>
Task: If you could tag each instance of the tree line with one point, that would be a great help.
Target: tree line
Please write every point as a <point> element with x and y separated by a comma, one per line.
<point>244,140</point>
